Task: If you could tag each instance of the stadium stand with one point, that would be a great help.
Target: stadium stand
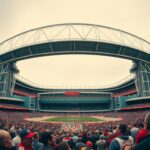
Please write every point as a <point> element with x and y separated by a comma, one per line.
<point>24,93</point>
<point>124,93</point>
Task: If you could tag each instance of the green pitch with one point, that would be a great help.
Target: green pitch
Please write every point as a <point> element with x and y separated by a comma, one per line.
<point>73,119</point>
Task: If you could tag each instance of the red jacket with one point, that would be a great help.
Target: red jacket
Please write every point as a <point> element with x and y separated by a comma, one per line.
<point>142,133</point>
<point>22,146</point>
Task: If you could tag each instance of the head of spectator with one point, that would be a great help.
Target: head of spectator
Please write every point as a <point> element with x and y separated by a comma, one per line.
<point>89,144</point>
<point>64,146</point>
<point>5,140</point>
<point>36,136</point>
<point>122,129</point>
<point>147,122</point>
<point>102,137</point>
<point>80,139</point>
<point>134,125</point>
<point>47,138</point>
<point>26,137</point>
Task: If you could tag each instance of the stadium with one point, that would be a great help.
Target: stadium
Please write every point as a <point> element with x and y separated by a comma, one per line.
<point>50,107</point>
<point>68,39</point>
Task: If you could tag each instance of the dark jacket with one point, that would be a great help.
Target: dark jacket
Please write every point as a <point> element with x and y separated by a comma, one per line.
<point>144,144</point>
<point>36,145</point>
<point>3,148</point>
<point>46,147</point>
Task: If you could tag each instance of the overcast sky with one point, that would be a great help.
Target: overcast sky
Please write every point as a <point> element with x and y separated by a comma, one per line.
<point>17,16</point>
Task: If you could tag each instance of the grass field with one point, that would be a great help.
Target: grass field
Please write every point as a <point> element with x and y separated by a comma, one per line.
<point>73,119</point>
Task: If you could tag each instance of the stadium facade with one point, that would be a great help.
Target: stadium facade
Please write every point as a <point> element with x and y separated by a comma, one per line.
<point>70,39</point>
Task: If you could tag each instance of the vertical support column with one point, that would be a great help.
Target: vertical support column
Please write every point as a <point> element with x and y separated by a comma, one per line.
<point>141,71</point>
<point>38,102</point>
<point>32,103</point>
<point>116,103</point>
<point>7,78</point>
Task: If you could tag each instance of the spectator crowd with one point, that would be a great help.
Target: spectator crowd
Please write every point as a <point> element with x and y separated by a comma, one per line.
<point>132,133</point>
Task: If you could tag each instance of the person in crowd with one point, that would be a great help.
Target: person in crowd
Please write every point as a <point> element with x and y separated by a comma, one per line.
<point>26,140</point>
<point>101,143</point>
<point>134,131</point>
<point>75,138</point>
<point>57,141</point>
<point>5,141</point>
<point>122,141</point>
<point>142,133</point>
<point>47,140</point>
<point>79,144</point>
<point>144,144</point>
<point>71,144</point>
<point>36,144</point>
<point>93,138</point>
<point>16,140</point>
<point>85,137</point>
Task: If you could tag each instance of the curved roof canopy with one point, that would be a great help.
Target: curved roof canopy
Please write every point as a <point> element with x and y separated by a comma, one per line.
<point>74,38</point>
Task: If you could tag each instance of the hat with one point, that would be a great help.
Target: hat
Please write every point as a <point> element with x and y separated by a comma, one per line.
<point>26,134</point>
<point>89,144</point>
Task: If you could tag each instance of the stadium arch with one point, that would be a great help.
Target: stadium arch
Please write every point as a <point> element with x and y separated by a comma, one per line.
<point>75,38</point>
